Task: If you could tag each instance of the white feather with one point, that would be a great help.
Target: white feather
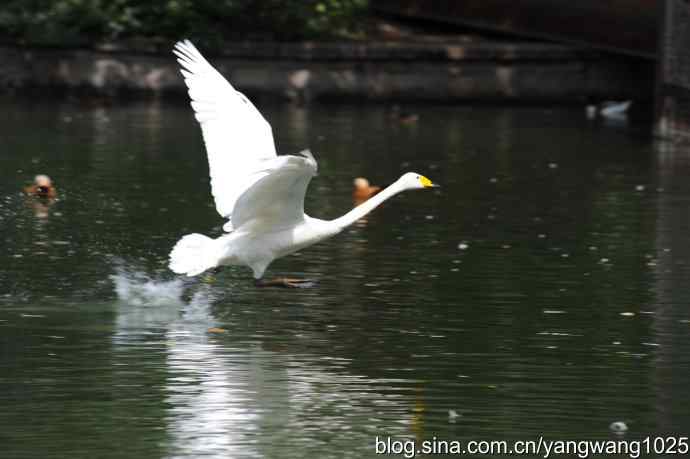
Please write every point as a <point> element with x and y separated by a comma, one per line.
<point>193,254</point>
<point>237,157</point>
<point>261,193</point>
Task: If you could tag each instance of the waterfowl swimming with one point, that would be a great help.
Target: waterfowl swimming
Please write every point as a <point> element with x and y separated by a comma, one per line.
<point>363,190</point>
<point>403,117</point>
<point>42,187</point>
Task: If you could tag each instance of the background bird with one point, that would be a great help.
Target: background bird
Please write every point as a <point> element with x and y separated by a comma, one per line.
<point>260,193</point>
<point>42,187</point>
<point>363,190</point>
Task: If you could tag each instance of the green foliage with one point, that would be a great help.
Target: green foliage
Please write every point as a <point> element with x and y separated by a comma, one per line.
<point>85,21</point>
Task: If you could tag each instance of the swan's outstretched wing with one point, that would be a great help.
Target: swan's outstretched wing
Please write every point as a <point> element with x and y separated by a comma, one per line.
<point>277,200</point>
<point>239,141</point>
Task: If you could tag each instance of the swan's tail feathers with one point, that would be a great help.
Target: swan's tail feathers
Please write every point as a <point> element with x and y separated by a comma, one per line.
<point>192,255</point>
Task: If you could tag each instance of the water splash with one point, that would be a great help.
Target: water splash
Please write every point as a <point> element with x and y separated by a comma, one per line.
<point>138,289</point>
<point>149,305</point>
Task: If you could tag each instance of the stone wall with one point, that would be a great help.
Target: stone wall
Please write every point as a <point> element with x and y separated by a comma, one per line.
<point>473,71</point>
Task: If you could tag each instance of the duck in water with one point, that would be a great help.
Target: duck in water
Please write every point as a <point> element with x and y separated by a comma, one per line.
<point>41,188</point>
<point>363,190</point>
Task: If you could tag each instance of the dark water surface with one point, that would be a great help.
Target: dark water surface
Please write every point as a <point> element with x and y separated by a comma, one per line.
<point>544,290</point>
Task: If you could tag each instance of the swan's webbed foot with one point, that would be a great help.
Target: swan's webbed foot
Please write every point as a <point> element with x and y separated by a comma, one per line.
<point>285,282</point>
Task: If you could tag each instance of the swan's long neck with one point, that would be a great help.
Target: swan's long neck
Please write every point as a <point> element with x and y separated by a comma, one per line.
<point>367,206</point>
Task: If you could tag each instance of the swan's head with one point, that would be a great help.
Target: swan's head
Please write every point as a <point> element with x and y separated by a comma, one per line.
<point>412,180</point>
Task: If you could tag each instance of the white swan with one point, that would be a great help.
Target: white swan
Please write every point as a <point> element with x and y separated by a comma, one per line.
<point>261,194</point>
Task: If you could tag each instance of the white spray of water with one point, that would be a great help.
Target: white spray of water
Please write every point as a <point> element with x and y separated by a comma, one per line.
<point>137,289</point>
<point>148,305</point>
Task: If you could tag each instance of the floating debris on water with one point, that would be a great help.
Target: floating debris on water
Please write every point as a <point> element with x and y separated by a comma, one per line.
<point>549,333</point>
<point>640,188</point>
<point>453,415</point>
<point>553,166</point>
<point>627,314</point>
<point>463,246</point>
<point>216,330</point>
<point>618,427</point>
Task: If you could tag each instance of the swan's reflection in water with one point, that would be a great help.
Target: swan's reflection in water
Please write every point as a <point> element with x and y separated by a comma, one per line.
<point>206,391</point>
<point>233,395</point>
<point>211,406</point>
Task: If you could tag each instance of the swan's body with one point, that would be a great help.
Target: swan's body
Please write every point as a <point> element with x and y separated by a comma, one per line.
<point>260,193</point>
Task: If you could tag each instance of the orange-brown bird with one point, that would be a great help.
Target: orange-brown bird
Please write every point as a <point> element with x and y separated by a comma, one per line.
<point>363,190</point>
<point>42,187</point>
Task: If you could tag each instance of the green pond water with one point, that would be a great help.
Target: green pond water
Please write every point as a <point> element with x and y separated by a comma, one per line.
<point>544,290</point>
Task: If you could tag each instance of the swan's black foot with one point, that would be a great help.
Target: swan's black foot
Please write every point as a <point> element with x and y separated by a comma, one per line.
<point>285,282</point>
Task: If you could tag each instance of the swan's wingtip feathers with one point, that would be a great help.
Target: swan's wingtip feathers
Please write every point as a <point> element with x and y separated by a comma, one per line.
<point>184,43</point>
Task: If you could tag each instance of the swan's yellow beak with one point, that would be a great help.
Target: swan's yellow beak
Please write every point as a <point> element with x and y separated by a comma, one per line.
<point>426,183</point>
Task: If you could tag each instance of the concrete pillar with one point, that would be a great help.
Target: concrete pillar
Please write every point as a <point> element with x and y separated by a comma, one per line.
<point>673,72</point>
